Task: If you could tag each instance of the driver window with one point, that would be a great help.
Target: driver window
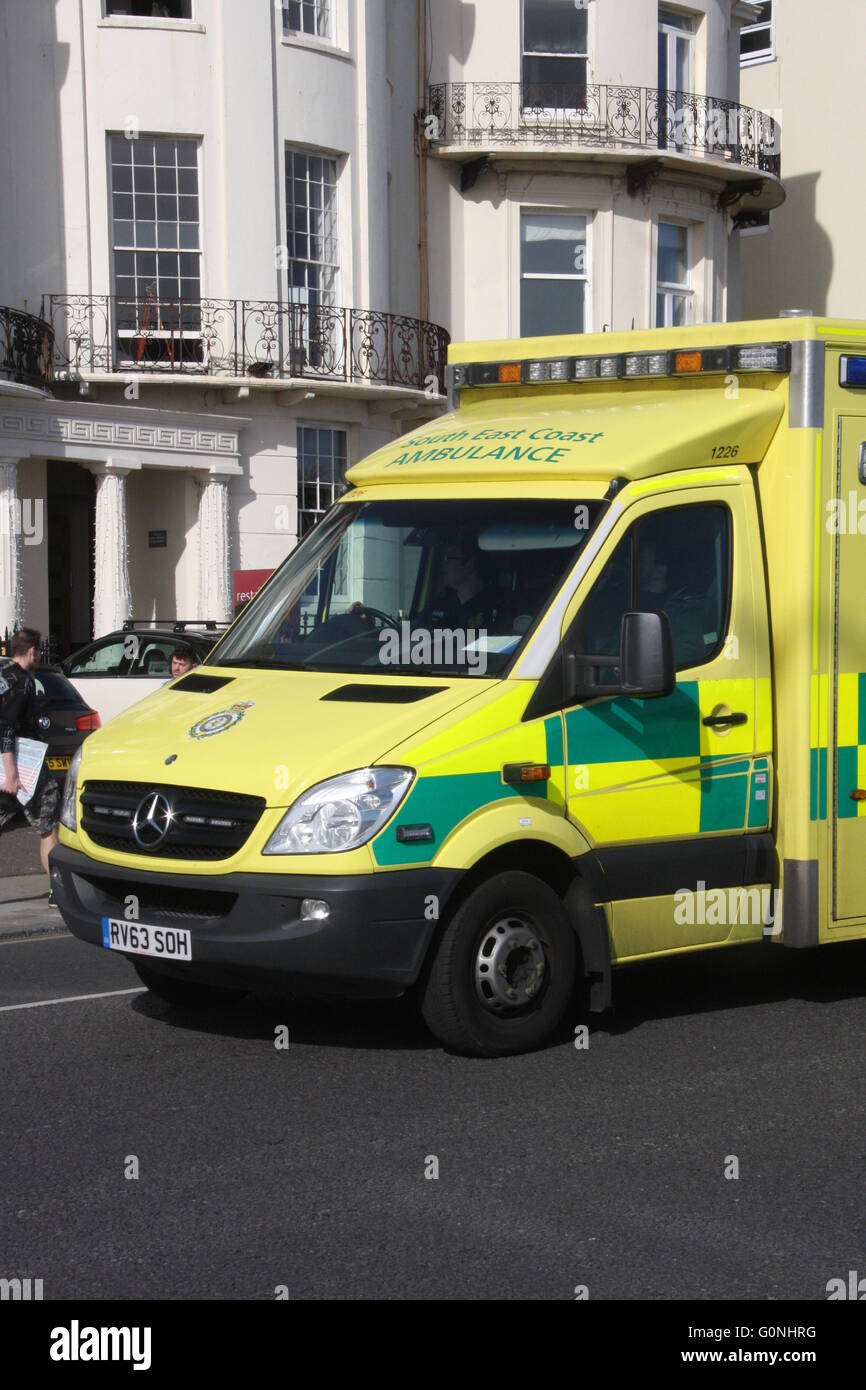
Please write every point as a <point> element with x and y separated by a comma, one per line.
<point>675,561</point>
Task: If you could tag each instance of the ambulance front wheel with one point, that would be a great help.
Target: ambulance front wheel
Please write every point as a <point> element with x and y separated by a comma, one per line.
<point>504,970</point>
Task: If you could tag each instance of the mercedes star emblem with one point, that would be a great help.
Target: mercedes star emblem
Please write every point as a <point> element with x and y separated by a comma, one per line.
<point>152,821</point>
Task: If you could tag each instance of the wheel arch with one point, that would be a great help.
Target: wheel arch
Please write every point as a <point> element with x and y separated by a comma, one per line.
<point>554,867</point>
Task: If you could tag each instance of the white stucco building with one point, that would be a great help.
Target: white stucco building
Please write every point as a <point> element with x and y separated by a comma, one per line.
<point>196,195</point>
<point>235,235</point>
<point>809,253</point>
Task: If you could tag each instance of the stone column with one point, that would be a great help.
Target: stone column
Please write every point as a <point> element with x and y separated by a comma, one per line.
<point>214,572</point>
<point>10,548</point>
<point>112,600</point>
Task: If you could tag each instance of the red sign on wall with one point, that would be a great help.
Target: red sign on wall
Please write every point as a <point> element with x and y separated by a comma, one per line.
<point>247,584</point>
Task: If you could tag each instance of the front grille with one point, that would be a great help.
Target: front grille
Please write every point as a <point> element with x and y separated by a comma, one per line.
<point>160,900</point>
<point>205,825</point>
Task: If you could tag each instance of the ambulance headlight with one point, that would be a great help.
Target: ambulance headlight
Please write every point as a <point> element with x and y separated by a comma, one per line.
<point>68,806</point>
<point>342,813</point>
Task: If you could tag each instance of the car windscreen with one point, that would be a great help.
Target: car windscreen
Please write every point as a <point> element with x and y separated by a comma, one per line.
<point>451,587</point>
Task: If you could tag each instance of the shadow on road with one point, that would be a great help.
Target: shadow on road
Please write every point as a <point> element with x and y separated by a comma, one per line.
<point>708,981</point>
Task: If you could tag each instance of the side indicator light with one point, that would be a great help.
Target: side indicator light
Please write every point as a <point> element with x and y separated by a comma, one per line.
<point>511,372</point>
<point>518,774</point>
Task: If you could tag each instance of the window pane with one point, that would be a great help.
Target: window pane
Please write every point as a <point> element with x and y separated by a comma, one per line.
<point>598,625</point>
<point>672,258</point>
<point>673,20</point>
<point>554,82</point>
<point>682,570</point>
<point>661,300</point>
<point>683,47</point>
<point>755,41</point>
<point>551,306</point>
<point>554,26</point>
<point>553,244</point>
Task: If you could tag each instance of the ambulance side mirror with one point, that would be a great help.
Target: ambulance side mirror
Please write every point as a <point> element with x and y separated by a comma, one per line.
<point>646,656</point>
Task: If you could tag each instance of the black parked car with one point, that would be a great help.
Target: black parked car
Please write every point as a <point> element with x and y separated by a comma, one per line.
<point>64,719</point>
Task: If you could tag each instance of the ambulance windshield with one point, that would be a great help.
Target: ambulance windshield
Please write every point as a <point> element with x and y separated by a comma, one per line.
<point>413,587</point>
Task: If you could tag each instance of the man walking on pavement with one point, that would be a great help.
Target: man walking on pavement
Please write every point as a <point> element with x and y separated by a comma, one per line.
<point>18,720</point>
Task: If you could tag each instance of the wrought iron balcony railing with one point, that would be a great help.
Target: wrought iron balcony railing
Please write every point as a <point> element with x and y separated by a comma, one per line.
<point>490,114</point>
<point>26,349</point>
<point>243,338</point>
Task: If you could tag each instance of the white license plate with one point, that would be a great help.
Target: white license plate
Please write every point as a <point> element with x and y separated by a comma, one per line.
<point>168,943</point>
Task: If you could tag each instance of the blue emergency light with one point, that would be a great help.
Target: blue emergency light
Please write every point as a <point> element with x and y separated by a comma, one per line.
<point>852,371</point>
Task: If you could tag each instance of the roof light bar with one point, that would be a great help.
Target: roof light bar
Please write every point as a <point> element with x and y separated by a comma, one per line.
<point>631,366</point>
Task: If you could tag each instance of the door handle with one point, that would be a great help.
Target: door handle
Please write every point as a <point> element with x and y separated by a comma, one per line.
<point>724,721</point>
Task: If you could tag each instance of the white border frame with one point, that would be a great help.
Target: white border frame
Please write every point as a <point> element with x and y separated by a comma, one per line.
<point>697,295</point>
<point>753,60</point>
<point>136,21</point>
<point>590,46</point>
<point>342,198</point>
<point>554,211</point>
<point>109,198</point>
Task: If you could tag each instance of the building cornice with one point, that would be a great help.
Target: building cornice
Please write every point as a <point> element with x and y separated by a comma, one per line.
<point>90,433</point>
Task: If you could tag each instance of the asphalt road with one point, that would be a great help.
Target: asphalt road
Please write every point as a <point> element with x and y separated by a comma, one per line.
<point>306,1167</point>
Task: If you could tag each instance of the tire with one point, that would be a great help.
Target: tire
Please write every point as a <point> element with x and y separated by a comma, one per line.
<point>187,994</point>
<point>510,934</point>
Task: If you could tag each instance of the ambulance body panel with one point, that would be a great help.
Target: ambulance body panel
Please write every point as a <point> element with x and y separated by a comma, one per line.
<point>684,503</point>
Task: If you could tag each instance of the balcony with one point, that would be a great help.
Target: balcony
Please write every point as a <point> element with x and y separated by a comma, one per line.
<point>237,340</point>
<point>26,349</point>
<point>610,121</point>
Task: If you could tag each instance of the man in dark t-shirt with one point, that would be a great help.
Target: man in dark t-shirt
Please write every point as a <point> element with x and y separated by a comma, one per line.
<point>18,720</point>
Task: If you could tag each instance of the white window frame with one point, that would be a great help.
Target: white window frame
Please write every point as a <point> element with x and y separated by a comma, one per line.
<point>672,33</point>
<point>334,428</point>
<point>317,7</point>
<point>763,55</point>
<point>670,288</point>
<point>118,335</point>
<point>589,9</point>
<point>157,21</point>
<point>531,210</point>
<point>336,267</point>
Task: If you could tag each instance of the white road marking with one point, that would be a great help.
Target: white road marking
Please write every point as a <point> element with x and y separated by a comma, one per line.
<point>72,999</point>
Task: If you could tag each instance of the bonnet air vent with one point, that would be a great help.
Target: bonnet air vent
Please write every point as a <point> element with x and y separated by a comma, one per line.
<point>383,694</point>
<point>202,685</point>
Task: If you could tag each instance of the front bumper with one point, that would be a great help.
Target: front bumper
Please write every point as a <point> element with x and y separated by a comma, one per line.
<point>246,929</point>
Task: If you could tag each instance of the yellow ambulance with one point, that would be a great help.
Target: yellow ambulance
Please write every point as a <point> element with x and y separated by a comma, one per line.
<point>572,677</point>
